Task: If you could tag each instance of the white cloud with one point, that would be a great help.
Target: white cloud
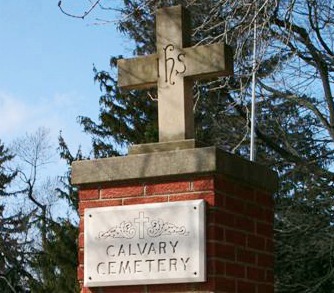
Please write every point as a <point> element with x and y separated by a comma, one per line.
<point>13,114</point>
<point>57,112</point>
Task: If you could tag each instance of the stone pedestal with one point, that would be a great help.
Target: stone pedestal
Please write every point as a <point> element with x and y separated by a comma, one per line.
<point>239,210</point>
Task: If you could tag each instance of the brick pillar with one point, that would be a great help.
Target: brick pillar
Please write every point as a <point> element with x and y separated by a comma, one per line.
<point>239,223</point>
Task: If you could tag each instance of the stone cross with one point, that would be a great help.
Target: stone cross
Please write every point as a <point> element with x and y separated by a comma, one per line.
<point>172,69</point>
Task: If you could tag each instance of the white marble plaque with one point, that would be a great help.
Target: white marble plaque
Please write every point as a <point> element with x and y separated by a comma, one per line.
<point>145,244</point>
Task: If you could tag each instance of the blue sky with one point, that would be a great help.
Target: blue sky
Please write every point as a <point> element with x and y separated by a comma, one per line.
<point>46,67</point>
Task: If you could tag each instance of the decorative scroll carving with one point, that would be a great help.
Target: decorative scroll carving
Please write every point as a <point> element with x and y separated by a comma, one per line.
<point>124,230</point>
<point>143,226</point>
<point>159,228</point>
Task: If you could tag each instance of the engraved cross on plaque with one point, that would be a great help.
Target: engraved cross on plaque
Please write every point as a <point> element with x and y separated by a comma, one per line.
<point>141,221</point>
<point>172,69</point>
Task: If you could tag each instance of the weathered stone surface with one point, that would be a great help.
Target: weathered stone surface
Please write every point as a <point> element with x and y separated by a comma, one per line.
<point>138,73</point>
<point>164,146</point>
<point>208,61</point>
<point>173,164</point>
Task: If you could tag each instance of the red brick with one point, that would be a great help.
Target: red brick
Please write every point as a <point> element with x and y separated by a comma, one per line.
<point>235,237</point>
<point>209,285</point>
<point>219,199</point>
<point>256,242</point>
<point>264,229</point>
<point>185,196</point>
<point>143,200</point>
<point>256,274</point>
<point>224,284</point>
<point>221,250</point>
<point>87,290</point>
<point>215,266</point>
<point>268,215</point>
<point>80,272</point>
<point>87,194</point>
<point>265,260</point>
<point>264,199</point>
<point>122,191</point>
<point>235,270</point>
<point>246,256</point>
<point>81,224</point>
<point>215,233</point>
<point>254,211</point>
<point>269,245</point>
<point>245,224</point>
<point>81,240</point>
<point>245,287</point>
<point>167,187</point>
<point>170,288</point>
<point>234,205</point>
<point>203,184</point>
<point>123,289</point>
<point>270,276</point>
<point>245,192</point>
<point>221,217</point>
<point>98,203</point>
<point>211,233</point>
<point>81,256</point>
<point>207,196</point>
<point>224,185</point>
<point>265,288</point>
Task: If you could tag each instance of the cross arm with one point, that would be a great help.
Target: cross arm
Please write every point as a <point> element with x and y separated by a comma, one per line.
<point>208,61</point>
<point>138,73</point>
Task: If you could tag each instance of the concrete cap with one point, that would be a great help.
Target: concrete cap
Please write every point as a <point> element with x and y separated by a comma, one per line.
<point>171,164</point>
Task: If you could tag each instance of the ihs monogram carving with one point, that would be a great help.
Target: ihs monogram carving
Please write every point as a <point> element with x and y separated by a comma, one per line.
<point>172,65</point>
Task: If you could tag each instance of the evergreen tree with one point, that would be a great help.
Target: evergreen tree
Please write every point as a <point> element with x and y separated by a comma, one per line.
<point>5,176</point>
<point>12,244</point>
<point>56,265</point>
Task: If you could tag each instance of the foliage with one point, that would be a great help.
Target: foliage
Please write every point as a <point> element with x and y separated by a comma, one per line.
<point>12,252</point>
<point>68,191</point>
<point>55,266</point>
<point>5,176</point>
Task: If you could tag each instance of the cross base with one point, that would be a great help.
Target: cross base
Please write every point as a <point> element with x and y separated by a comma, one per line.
<point>164,146</point>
